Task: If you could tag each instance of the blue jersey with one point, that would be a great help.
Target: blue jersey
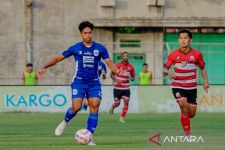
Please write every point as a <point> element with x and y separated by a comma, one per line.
<point>86,60</point>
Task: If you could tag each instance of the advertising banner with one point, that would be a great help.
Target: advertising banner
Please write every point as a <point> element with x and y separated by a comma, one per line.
<point>143,99</point>
<point>51,99</point>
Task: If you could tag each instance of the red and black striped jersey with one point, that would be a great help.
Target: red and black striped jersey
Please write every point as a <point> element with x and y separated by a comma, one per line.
<point>185,67</point>
<point>128,70</point>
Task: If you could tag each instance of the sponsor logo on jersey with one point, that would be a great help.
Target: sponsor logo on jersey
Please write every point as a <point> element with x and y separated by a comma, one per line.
<point>184,63</point>
<point>88,53</point>
<point>90,66</point>
<point>88,59</point>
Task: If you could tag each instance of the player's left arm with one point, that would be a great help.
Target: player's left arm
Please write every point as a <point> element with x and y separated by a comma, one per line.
<point>132,74</point>
<point>201,64</point>
<point>109,63</point>
<point>205,77</point>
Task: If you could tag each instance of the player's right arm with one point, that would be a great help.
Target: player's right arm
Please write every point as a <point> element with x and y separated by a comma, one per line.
<point>52,62</point>
<point>167,65</point>
<point>67,53</point>
<point>166,70</point>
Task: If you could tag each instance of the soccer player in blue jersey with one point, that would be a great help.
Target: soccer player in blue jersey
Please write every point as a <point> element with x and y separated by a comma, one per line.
<point>101,72</point>
<point>87,55</point>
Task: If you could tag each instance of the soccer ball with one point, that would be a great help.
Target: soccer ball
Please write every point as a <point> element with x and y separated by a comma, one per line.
<point>83,136</point>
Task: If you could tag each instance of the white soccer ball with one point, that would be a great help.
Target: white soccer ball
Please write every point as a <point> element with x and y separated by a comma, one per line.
<point>83,136</point>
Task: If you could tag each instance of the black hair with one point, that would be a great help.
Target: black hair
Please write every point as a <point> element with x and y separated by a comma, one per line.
<point>85,24</point>
<point>124,53</point>
<point>29,65</point>
<point>186,31</point>
<point>145,64</point>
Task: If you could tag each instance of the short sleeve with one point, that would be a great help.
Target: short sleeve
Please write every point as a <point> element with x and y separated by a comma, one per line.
<point>67,53</point>
<point>105,54</point>
<point>200,61</point>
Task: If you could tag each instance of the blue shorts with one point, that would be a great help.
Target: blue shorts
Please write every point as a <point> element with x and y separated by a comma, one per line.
<point>82,89</point>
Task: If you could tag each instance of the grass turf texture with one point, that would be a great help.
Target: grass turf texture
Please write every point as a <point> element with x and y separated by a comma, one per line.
<point>35,131</point>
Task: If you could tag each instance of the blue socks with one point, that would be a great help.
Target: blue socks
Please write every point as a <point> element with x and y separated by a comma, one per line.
<point>69,115</point>
<point>92,122</point>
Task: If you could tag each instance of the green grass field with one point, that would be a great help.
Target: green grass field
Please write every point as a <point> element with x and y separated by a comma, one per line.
<point>35,131</point>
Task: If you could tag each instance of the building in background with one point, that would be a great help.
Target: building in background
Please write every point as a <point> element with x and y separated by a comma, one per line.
<point>33,30</point>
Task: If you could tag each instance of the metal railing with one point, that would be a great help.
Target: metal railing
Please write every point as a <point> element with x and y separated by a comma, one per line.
<point>15,55</point>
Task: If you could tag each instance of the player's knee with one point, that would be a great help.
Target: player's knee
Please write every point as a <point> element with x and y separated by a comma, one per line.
<point>192,115</point>
<point>126,102</point>
<point>117,103</point>
<point>94,109</point>
<point>184,110</point>
<point>182,103</point>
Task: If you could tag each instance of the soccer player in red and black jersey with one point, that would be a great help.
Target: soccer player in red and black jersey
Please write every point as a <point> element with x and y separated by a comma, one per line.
<point>122,85</point>
<point>185,61</point>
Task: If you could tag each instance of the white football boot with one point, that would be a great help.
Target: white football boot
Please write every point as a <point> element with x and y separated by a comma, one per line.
<point>121,120</point>
<point>60,128</point>
<point>91,143</point>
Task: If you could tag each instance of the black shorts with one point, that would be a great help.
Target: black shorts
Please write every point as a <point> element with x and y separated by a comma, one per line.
<point>191,95</point>
<point>120,93</point>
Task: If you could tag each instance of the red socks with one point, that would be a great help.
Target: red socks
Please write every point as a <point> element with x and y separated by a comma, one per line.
<point>124,111</point>
<point>185,121</point>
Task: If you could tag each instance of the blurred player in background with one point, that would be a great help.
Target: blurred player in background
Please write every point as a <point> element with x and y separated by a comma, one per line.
<point>29,77</point>
<point>184,86</point>
<point>145,77</point>
<point>87,55</point>
<point>101,72</point>
<point>122,86</point>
